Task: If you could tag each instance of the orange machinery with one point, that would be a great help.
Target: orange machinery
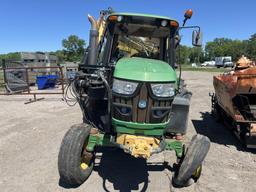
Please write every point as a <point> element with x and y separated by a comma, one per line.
<point>234,101</point>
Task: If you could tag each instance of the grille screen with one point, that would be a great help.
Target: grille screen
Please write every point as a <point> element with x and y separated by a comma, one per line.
<point>127,108</point>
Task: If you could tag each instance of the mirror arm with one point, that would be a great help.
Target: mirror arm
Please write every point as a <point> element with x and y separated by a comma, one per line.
<point>184,22</point>
<point>189,27</point>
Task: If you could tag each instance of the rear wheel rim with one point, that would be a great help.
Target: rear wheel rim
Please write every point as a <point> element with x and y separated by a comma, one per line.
<point>197,173</point>
<point>86,157</point>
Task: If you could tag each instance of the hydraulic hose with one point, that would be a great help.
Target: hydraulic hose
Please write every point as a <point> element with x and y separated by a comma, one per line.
<point>108,90</point>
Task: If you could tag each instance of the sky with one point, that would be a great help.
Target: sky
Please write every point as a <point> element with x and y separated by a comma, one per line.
<point>41,25</point>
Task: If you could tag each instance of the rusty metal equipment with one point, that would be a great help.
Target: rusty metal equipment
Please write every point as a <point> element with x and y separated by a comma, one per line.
<point>234,101</point>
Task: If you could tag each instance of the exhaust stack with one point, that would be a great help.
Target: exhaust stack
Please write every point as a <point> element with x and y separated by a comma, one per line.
<point>93,41</point>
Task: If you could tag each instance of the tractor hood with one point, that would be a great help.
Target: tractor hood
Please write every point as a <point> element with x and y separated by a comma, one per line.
<point>142,69</point>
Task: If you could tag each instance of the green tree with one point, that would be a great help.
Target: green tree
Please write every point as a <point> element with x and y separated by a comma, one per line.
<point>182,54</point>
<point>61,56</point>
<point>10,56</point>
<point>251,47</point>
<point>216,48</point>
<point>225,47</point>
<point>73,48</point>
<point>196,55</point>
<point>187,55</point>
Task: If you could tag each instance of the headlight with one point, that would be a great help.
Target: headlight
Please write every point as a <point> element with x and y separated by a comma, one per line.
<point>163,90</point>
<point>124,87</point>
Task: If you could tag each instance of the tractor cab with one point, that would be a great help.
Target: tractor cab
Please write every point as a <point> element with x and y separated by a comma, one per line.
<point>137,35</point>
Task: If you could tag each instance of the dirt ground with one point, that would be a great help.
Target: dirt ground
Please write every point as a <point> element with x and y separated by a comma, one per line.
<point>30,137</point>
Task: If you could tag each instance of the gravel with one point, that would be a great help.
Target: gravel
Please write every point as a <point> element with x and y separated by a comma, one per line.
<point>30,137</point>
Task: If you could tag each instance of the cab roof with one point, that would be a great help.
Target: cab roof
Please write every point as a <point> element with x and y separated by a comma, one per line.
<point>143,15</point>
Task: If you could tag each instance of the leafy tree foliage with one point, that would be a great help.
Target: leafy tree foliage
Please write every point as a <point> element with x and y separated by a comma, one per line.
<point>73,48</point>
<point>186,55</point>
<point>61,56</point>
<point>217,48</point>
<point>225,47</point>
<point>12,56</point>
<point>182,55</point>
<point>196,55</point>
<point>251,47</point>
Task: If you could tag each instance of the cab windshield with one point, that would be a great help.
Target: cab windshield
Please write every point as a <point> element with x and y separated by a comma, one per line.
<point>136,46</point>
<point>138,40</point>
<point>145,40</point>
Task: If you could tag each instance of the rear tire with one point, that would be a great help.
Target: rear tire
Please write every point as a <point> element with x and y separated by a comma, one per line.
<point>191,165</point>
<point>75,164</point>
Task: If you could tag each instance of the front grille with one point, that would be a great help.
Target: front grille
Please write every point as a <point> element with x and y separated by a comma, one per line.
<point>126,108</point>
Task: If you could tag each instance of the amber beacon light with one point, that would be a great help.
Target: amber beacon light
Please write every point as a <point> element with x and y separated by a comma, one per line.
<point>188,15</point>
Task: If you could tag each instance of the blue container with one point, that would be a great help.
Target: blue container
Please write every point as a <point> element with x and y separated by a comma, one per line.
<point>46,81</point>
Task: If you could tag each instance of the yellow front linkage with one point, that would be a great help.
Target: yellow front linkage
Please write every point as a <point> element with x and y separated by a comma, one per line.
<point>139,146</point>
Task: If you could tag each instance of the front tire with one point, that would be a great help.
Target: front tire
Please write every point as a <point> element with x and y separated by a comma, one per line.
<point>75,164</point>
<point>191,166</point>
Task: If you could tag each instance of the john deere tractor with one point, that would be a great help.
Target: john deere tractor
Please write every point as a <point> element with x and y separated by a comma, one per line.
<point>131,98</point>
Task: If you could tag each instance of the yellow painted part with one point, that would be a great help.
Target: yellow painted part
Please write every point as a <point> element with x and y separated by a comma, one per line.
<point>85,162</point>
<point>83,166</point>
<point>197,172</point>
<point>101,30</point>
<point>140,146</point>
<point>130,50</point>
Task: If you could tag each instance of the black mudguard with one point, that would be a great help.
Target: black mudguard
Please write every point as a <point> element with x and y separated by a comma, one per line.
<point>179,114</point>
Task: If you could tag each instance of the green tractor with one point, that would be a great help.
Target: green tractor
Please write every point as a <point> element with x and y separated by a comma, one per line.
<point>131,98</point>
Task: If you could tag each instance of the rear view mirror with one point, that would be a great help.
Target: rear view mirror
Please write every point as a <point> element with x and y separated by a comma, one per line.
<point>197,38</point>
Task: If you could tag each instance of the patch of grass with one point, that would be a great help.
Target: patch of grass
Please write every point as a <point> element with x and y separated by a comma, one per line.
<point>204,69</point>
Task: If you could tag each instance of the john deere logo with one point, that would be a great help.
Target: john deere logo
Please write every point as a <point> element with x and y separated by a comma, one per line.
<point>142,104</point>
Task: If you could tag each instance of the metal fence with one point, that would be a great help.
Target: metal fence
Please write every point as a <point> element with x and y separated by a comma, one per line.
<point>22,80</point>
